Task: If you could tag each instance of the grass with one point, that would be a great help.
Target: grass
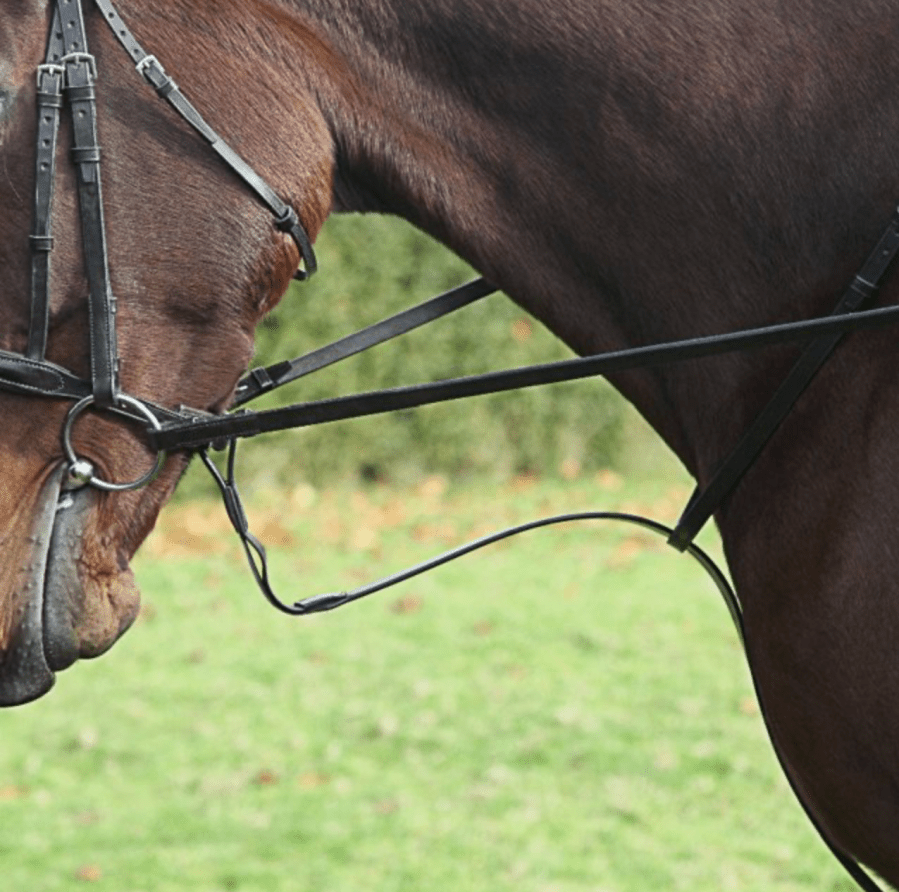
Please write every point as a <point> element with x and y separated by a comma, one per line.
<point>568,712</point>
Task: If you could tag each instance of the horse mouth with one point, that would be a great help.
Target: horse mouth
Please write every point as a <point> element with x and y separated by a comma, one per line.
<point>50,596</point>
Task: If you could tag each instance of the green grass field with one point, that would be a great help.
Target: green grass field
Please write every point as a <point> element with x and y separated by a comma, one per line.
<point>568,712</point>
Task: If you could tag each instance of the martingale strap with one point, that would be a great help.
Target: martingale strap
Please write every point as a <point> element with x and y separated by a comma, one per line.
<point>833,327</point>
<point>258,562</point>
<point>705,501</point>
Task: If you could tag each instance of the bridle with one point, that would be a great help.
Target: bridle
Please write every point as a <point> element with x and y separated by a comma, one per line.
<point>69,73</point>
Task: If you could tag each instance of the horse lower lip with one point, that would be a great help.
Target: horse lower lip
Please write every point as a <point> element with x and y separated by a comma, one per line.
<point>25,674</point>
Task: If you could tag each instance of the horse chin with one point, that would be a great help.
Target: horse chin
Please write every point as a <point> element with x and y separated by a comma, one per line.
<point>64,616</point>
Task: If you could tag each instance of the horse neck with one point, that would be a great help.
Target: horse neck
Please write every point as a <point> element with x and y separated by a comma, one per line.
<point>607,200</point>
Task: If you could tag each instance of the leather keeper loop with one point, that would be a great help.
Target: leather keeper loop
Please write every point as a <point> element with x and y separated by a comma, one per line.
<point>41,242</point>
<point>86,154</point>
<point>863,287</point>
<point>49,100</point>
<point>86,93</point>
<point>287,220</point>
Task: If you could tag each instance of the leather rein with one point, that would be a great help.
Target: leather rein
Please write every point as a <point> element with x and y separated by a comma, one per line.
<point>68,76</point>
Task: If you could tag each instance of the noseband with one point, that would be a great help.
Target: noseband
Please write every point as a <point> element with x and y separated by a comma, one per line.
<point>67,77</point>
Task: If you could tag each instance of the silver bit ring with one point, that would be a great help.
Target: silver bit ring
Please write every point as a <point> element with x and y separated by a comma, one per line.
<point>81,471</point>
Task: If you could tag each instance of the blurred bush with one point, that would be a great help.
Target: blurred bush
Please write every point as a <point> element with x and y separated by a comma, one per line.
<point>370,268</point>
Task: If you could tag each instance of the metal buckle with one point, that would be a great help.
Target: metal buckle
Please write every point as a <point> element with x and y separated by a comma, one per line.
<point>152,71</point>
<point>50,68</point>
<point>75,58</point>
<point>81,471</point>
<point>146,62</point>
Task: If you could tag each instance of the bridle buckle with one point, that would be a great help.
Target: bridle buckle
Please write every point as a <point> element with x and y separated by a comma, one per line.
<point>76,58</point>
<point>50,68</point>
<point>146,62</point>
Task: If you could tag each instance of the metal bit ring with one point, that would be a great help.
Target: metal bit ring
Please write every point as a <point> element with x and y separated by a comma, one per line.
<point>81,471</point>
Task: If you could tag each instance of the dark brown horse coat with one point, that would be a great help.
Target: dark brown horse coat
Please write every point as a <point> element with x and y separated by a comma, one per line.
<point>628,172</point>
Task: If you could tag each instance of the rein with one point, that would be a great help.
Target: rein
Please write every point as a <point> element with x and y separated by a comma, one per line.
<point>198,432</point>
<point>69,74</point>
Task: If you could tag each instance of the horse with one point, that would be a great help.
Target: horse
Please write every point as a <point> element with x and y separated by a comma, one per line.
<point>626,172</point>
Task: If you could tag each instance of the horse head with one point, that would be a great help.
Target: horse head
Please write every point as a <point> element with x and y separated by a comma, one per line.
<point>194,263</point>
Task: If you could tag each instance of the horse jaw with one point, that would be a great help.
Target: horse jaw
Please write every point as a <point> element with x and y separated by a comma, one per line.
<point>59,615</point>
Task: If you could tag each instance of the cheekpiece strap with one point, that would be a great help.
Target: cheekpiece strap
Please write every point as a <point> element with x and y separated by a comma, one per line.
<point>71,69</point>
<point>50,77</point>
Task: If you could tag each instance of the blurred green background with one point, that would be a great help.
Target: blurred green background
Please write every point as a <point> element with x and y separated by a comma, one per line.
<point>566,712</point>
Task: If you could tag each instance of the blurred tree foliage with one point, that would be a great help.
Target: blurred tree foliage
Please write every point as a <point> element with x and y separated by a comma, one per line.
<point>370,268</point>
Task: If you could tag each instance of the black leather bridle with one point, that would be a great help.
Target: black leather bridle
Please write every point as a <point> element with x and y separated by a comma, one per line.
<point>68,76</point>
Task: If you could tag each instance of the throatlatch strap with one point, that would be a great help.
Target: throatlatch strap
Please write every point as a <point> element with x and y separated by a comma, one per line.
<point>149,66</point>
